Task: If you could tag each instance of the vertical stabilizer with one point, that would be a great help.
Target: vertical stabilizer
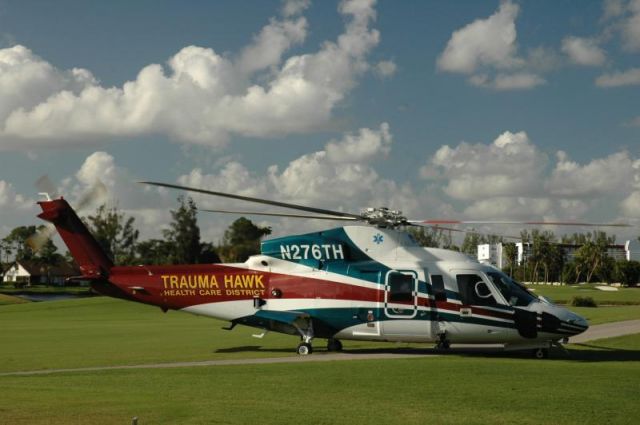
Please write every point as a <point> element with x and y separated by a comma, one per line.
<point>84,248</point>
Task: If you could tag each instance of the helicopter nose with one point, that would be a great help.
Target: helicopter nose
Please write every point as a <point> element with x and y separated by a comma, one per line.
<point>574,323</point>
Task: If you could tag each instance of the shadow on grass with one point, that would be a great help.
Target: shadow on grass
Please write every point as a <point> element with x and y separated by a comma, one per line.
<point>598,353</point>
<point>254,349</point>
<point>586,352</point>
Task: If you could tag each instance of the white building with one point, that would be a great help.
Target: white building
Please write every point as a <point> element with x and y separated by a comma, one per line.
<point>494,253</point>
<point>26,273</point>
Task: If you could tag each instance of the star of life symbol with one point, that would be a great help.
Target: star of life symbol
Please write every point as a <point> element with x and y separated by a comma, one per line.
<point>378,238</point>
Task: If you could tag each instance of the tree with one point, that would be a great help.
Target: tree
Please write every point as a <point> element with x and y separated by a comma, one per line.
<point>241,240</point>
<point>115,233</point>
<point>471,242</point>
<point>16,242</point>
<point>154,251</point>
<point>627,272</point>
<point>183,233</point>
<point>510,251</point>
<point>426,236</point>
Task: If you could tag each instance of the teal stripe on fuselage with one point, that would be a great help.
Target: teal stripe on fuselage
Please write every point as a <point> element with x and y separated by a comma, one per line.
<point>340,318</point>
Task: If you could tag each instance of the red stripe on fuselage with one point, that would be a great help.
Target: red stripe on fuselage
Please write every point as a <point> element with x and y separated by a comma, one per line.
<point>178,287</point>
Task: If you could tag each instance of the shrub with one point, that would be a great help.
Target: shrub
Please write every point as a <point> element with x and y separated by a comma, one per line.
<point>583,302</point>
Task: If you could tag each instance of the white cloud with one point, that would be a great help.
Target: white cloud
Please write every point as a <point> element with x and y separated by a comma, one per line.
<point>269,46</point>
<point>513,179</point>
<point>294,7</point>
<point>597,178</point>
<point>630,206</point>
<point>363,146</point>
<point>631,27</point>
<point>634,122</point>
<point>385,69</point>
<point>339,177</point>
<point>617,79</point>
<point>517,81</point>
<point>583,51</point>
<point>218,97</point>
<point>490,41</point>
<point>487,51</point>
<point>509,166</point>
<point>9,199</point>
<point>612,9</point>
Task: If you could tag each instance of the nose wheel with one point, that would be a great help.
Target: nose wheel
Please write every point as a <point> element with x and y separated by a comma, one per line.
<point>304,349</point>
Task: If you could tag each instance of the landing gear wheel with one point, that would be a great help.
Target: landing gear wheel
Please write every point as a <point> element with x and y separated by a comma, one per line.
<point>541,353</point>
<point>334,344</point>
<point>443,345</point>
<point>305,349</point>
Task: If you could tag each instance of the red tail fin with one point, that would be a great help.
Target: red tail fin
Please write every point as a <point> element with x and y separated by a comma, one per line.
<point>84,248</point>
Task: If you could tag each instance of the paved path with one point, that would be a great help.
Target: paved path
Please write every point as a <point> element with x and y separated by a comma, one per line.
<point>607,330</point>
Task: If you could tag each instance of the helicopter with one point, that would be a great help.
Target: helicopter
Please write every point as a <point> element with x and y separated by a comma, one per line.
<point>367,280</point>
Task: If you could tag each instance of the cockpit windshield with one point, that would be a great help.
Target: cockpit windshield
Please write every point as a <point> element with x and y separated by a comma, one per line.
<point>511,290</point>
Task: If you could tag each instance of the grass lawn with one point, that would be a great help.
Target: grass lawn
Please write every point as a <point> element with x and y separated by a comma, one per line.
<point>10,299</point>
<point>598,315</point>
<point>103,331</point>
<point>41,289</point>
<point>564,294</point>
<point>598,384</point>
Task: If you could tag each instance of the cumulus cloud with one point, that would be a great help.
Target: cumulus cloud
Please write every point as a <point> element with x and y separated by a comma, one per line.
<point>508,166</point>
<point>487,51</point>
<point>341,172</point>
<point>259,94</point>
<point>10,199</point>
<point>517,81</point>
<point>341,177</point>
<point>512,178</point>
<point>630,206</point>
<point>583,51</point>
<point>631,27</point>
<point>630,77</point>
<point>598,177</point>
<point>361,146</point>
<point>385,69</point>
<point>490,41</point>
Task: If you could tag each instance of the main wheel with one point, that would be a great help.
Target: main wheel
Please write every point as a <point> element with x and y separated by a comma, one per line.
<point>443,345</point>
<point>334,344</point>
<point>541,353</point>
<point>304,349</point>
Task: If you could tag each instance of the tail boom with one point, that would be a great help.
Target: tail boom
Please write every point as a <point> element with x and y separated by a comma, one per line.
<point>93,261</point>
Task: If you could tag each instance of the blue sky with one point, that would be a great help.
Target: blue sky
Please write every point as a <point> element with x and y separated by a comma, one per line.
<point>470,110</point>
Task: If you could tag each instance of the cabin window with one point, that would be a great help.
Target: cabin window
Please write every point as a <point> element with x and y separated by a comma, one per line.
<point>400,295</point>
<point>474,290</point>
<point>437,285</point>
<point>400,287</point>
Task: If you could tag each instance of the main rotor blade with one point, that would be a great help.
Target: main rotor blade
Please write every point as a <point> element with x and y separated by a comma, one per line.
<point>465,231</point>
<point>258,200</point>
<point>531,223</point>
<point>319,217</point>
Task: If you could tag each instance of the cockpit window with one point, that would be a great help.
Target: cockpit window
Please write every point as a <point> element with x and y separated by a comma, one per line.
<point>511,290</point>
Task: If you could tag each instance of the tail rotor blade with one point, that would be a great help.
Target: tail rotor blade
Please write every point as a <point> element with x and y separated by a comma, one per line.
<point>40,238</point>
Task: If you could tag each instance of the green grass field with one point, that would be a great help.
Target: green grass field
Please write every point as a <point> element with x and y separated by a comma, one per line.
<point>564,294</point>
<point>10,299</point>
<point>597,383</point>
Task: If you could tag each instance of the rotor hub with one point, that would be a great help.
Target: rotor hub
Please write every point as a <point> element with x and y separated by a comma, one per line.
<point>384,217</point>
